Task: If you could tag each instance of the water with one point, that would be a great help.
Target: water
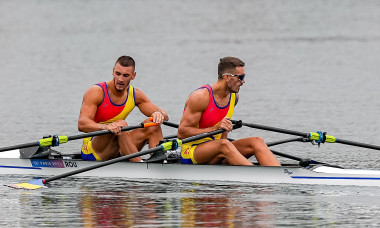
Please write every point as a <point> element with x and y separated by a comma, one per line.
<point>311,65</point>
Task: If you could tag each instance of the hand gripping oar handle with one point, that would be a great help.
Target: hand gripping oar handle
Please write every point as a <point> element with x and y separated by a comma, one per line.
<point>311,135</point>
<point>56,140</point>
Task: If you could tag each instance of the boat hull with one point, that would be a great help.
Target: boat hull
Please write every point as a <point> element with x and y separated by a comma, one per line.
<point>175,171</point>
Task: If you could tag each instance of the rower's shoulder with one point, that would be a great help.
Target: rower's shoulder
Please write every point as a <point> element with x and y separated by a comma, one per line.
<point>199,98</point>
<point>139,95</point>
<point>94,93</point>
<point>200,94</point>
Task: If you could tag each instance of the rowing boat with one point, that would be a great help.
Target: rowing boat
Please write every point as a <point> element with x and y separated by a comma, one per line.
<point>11,164</point>
<point>38,159</point>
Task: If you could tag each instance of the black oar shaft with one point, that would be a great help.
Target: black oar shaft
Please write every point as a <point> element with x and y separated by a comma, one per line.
<point>103,132</point>
<point>306,135</point>
<point>286,155</point>
<point>170,124</point>
<point>368,146</point>
<point>275,129</point>
<point>20,146</point>
<point>284,141</point>
<point>73,137</point>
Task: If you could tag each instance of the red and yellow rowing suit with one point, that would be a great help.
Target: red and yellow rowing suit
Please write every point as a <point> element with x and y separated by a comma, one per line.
<point>210,117</point>
<point>106,113</point>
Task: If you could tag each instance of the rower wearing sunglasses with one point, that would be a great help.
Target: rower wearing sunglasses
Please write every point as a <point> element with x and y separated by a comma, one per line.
<point>210,108</point>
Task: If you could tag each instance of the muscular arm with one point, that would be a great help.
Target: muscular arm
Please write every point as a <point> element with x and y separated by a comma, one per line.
<point>196,103</point>
<point>148,108</point>
<point>91,99</point>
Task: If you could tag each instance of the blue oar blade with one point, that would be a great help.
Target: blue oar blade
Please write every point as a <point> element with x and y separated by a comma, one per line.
<point>31,185</point>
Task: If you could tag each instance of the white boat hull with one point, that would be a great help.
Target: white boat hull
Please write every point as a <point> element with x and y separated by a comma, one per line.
<point>257,174</point>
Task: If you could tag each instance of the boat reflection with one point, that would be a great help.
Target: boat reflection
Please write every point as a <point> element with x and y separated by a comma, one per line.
<point>188,208</point>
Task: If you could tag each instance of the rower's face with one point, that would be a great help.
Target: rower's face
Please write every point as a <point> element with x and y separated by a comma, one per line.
<point>234,83</point>
<point>122,76</point>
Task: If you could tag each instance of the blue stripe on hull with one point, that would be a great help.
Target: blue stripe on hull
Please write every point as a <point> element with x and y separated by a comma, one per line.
<point>18,167</point>
<point>338,178</point>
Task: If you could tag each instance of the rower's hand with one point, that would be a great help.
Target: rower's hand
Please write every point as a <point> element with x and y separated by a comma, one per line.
<point>226,124</point>
<point>158,117</point>
<point>116,126</point>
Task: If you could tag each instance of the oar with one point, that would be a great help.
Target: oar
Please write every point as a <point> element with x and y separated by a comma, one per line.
<point>56,140</point>
<point>304,162</point>
<point>317,136</point>
<point>38,183</point>
<point>170,124</point>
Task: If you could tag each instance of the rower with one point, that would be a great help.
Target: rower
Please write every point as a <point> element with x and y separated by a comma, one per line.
<point>106,105</point>
<point>209,108</point>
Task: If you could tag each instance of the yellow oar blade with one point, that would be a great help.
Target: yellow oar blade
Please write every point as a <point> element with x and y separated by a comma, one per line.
<point>32,185</point>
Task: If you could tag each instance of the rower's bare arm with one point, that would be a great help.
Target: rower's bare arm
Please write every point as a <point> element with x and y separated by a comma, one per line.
<point>196,103</point>
<point>148,108</point>
<point>91,99</point>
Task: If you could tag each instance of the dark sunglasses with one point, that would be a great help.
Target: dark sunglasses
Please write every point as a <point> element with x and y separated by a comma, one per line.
<point>240,76</point>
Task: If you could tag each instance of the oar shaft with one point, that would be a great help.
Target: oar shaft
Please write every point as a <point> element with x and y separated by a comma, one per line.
<point>286,155</point>
<point>308,135</point>
<point>284,141</point>
<point>20,146</point>
<point>201,136</point>
<point>170,124</point>
<point>275,129</point>
<point>368,146</point>
<point>102,132</point>
<point>74,137</point>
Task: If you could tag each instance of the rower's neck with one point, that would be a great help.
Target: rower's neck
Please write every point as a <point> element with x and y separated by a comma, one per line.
<point>221,94</point>
<point>220,90</point>
<point>114,92</point>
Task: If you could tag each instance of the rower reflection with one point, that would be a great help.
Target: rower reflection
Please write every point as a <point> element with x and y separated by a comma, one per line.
<point>158,206</point>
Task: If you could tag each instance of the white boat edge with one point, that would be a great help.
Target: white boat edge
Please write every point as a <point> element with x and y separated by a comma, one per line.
<point>11,164</point>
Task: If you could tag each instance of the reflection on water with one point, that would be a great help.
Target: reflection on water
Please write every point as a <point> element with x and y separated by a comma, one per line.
<point>188,208</point>
<point>81,202</point>
<point>223,212</point>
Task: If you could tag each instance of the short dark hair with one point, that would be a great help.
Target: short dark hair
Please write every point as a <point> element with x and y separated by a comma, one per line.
<point>126,61</point>
<point>228,63</point>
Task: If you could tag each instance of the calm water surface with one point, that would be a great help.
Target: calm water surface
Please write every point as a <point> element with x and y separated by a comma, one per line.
<point>115,202</point>
<point>311,66</point>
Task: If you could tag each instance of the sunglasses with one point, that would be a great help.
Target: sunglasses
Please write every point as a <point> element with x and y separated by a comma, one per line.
<point>240,76</point>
